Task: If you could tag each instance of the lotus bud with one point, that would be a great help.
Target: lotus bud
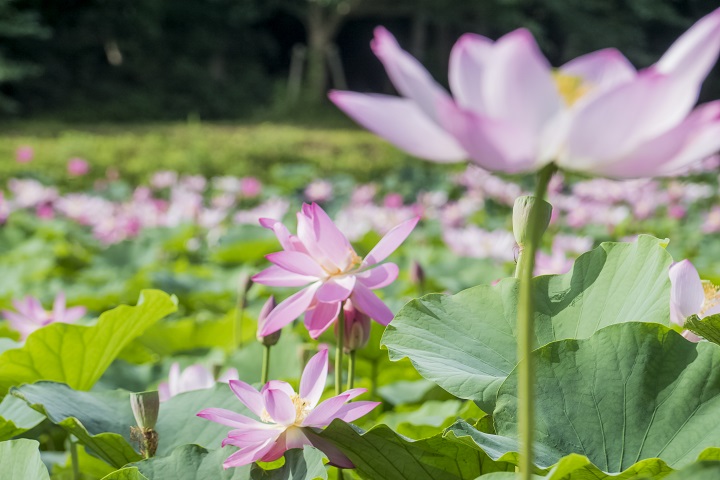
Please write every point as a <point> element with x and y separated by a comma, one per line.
<point>273,338</point>
<point>145,407</point>
<point>417,274</point>
<point>357,327</point>
<point>521,217</point>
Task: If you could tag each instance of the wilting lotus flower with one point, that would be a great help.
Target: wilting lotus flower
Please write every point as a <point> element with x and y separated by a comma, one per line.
<point>511,112</point>
<point>194,377</point>
<point>691,296</point>
<point>287,419</point>
<point>321,256</point>
<point>30,314</point>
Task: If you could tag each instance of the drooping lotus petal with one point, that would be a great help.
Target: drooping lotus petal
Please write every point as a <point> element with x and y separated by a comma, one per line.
<point>408,75</point>
<point>369,303</point>
<point>278,449</point>
<point>401,122</point>
<point>390,242</point>
<point>468,60</point>
<point>231,419</point>
<point>355,410</point>
<point>314,376</point>
<point>336,289</point>
<point>289,309</point>
<point>248,455</point>
<point>600,70</point>
<point>250,397</point>
<point>686,292</point>
<point>297,262</point>
<point>320,317</point>
<point>279,406</point>
<point>380,276</point>
<point>275,276</point>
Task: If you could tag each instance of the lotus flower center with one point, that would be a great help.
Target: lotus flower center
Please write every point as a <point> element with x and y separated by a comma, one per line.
<point>302,409</point>
<point>570,87</point>
<point>712,297</point>
<point>355,261</point>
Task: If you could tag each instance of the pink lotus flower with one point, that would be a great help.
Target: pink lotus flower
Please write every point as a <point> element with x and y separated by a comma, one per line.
<point>287,419</point>
<point>512,112</point>
<point>250,187</point>
<point>194,377</point>
<point>77,167</point>
<point>29,314</point>
<point>357,328</point>
<point>24,154</point>
<point>691,296</point>
<point>321,256</point>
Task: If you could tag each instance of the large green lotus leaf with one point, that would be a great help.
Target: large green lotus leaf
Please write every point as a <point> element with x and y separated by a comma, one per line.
<point>706,470</point>
<point>78,355</point>
<point>20,459</point>
<point>466,343</point>
<point>102,420</point>
<point>193,462</point>
<point>708,327</point>
<point>382,453</point>
<point>16,417</point>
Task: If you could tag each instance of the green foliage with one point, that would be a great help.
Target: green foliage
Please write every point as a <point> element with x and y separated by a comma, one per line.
<point>466,342</point>
<point>20,459</point>
<point>16,417</point>
<point>78,355</point>
<point>708,327</point>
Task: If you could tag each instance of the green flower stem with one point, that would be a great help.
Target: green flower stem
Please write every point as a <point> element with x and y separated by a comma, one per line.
<point>339,349</point>
<point>351,370</point>
<point>374,379</point>
<point>74,458</point>
<point>525,327</point>
<point>265,375</point>
<point>239,313</point>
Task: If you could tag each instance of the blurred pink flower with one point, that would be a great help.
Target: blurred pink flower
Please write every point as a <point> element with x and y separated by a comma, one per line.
<point>691,296</point>
<point>77,167</point>
<point>511,112</point>
<point>163,179</point>
<point>29,314</point>
<point>711,223</point>
<point>677,212</point>
<point>393,200</point>
<point>319,191</point>
<point>555,263</point>
<point>321,256</point>
<point>194,377</point>
<point>287,419</point>
<point>24,154</point>
<point>250,187</point>
<point>45,211</point>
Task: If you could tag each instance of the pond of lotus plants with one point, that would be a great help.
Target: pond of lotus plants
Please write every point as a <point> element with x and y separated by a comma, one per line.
<point>495,324</point>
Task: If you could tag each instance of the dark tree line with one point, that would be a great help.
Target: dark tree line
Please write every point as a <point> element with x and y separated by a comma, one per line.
<point>153,59</point>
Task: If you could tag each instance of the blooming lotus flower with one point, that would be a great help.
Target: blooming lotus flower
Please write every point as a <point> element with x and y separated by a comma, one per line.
<point>29,314</point>
<point>77,167</point>
<point>194,377</point>
<point>511,112</point>
<point>24,154</point>
<point>287,419</point>
<point>321,257</point>
<point>691,296</point>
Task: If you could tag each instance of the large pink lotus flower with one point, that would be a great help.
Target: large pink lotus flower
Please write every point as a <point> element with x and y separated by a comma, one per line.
<point>194,377</point>
<point>321,256</point>
<point>29,314</point>
<point>287,419</point>
<point>511,112</point>
<point>691,296</point>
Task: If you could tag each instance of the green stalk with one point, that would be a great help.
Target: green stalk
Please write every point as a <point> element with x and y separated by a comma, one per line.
<point>265,375</point>
<point>525,327</point>
<point>339,349</point>
<point>74,458</point>
<point>239,312</point>
<point>351,370</point>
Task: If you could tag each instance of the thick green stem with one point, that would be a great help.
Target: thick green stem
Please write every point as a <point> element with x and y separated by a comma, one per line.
<point>351,370</point>
<point>265,375</point>
<point>339,349</point>
<point>74,458</point>
<point>525,327</point>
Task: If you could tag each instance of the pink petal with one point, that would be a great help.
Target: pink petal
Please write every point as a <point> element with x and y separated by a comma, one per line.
<point>518,85</point>
<point>335,456</point>
<point>73,314</point>
<point>278,385</point>
<point>174,379</point>
<point>408,76</point>
<point>289,309</point>
<point>690,336</point>
<point>287,241</point>
<point>367,302</point>
<point>330,239</point>
<point>275,276</point>
<point>250,397</point>
<point>295,438</point>
<point>320,317</point>
<point>468,60</point>
<point>231,419</point>
<point>693,55</point>
<point>355,410</point>
<point>601,69</point>
<point>323,414</point>
<point>390,242</point>
<point>401,122</point>
<point>308,233</point>
<point>336,289</point>
<point>248,455</point>
<point>711,311</point>
<point>278,449</point>
<point>230,374</point>
<point>164,391</point>
<point>354,393</point>
<point>380,276</point>
<point>314,376</point>
<point>686,292</point>
<point>249,437</point>
<point>59,307</point>
<point>196,377</point>
<point>279,406</point>
<point>297,262</point>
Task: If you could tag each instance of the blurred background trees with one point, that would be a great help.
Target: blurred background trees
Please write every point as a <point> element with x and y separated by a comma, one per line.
<point>117,60</point>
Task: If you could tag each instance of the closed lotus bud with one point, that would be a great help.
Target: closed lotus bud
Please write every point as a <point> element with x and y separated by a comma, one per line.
<point>273,338</point>
<point>521,217</point>
<point>417,274</point>
<point>357,327</point>
<point>145,407</point>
